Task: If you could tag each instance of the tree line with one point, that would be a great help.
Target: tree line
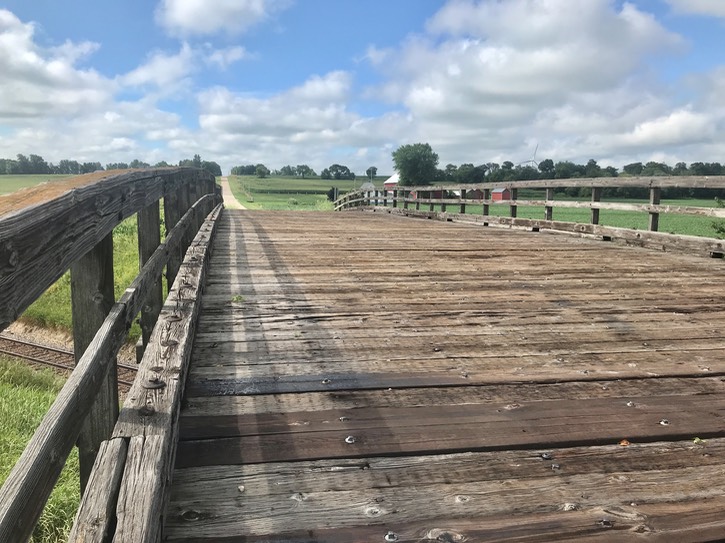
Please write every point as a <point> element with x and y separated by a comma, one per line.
<point>417,164</point>
<point>35,164</point>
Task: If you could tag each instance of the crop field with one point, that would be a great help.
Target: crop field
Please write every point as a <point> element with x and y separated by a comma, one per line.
<point>11,183</point>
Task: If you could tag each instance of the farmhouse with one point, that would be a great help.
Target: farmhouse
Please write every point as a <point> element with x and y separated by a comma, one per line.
<point>391,183</point>
<point>498,195</point>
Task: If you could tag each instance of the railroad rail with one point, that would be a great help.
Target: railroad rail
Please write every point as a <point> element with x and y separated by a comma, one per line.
<point>54,357</point>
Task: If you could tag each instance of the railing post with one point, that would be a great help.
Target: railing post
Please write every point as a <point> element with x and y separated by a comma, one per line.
<point>513,208</point>
<point>443,205</point>
<point>395,197</point>
<point>149,238</point>
<point>549,210</point>
<point>406,195</point>
<point>486,206</point>
<point>172,215</point>
<point>596,197</point>
<point>92,298</point>
<point>463,201</point>
<point>654,199</point>
<point>377,202</point>
<point>431,205</point>
<point>385,197</point>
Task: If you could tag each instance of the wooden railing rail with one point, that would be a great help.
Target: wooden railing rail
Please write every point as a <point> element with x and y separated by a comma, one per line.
<point>73,229</point>
<point>402,198</point>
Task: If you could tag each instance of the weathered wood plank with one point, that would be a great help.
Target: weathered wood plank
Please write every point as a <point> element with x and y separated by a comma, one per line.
<point>140,499</point>
<point>429,430</point>
<point>96,515</point>
<point>25,491</point>
<point>92,298</point>
<point>149,239</point>
<point>150,414</point>
<point>462,493</point>
<point>38,243</point>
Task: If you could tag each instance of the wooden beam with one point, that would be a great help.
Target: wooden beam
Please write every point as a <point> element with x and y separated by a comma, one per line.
<point>92,298</point>
<point>654,216</point>
<point>149,238</point>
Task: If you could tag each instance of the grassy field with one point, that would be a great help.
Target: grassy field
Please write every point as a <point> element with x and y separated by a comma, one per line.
<point>25,396</point>
<point>255,193</point>
<point>11,183</point>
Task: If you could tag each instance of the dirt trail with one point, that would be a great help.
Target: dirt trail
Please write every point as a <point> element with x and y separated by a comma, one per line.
<point>230,202</point>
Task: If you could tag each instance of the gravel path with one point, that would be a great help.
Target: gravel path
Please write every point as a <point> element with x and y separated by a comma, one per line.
<point>230,202</point>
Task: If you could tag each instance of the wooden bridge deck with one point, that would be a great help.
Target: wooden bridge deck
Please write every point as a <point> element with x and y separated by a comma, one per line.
<point>360,377</point>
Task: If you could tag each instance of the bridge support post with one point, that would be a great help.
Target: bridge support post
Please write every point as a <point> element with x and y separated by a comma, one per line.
<point>654,217</point>
<point>513,208</point>
<point>463,201</point>
<point>596,197</point>
<point>486,206</point>
<point>549,210</point>
<point>395,197</point>
<point>172,215</point>
<point>149,238</point>
<point>92,298</point>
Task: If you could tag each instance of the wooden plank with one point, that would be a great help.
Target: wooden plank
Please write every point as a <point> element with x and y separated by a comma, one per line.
<point>150,413</point>
<point>40,241</point>
<point>92,298</point>
<point>29,484</point>
<point>516,492</point>
<point>140,501</point>
<point>96,515</point>
<point>430,430</point>
<point>149,239</point>
<point>25,491</point>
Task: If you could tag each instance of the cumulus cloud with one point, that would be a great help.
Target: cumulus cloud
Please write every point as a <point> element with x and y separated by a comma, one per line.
<point>205,17</point>
<point>162,69</point>
<point>223,58</point>
<point>491,79</point>
<point>714,8</point>
<point>38,82</point>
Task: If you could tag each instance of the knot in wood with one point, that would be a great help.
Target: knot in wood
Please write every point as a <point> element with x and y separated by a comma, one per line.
<point>444,535</point>
<point>391,536</point>
<point>154,383</point>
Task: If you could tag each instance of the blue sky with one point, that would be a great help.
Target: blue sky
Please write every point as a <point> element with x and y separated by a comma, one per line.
<point>322,81</point>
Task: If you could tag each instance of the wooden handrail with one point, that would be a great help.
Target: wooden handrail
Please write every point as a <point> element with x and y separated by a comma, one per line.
<point>404,196</point>
<point>44,239</point>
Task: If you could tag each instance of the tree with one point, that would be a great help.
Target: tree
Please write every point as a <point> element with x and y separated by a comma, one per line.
<point>416,164</point>
<point>288,171</point>
<point>325,174</point>
<point>161,164</point>
<point>593,169</point>
<point>303,170</point>
<point>137,164</point>
<point>338,171</point>
<point>261,171</point>
<point>211,167</point>
<point>546,167</point>
<point>117,166</point>
<point>371,172</point>
<point>38,165</point>
<point>635,168</point>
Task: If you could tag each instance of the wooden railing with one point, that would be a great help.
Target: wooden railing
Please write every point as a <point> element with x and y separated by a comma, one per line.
<point>413,201</point>
<point>68,225</point>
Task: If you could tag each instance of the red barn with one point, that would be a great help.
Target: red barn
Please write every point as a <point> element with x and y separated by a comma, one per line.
<point>498,195</point>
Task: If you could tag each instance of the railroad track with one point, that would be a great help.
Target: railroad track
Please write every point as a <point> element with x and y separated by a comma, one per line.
<point>56,358</point>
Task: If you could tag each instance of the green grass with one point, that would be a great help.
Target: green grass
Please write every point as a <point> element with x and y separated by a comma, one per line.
<point>256,185</point>
<point>11,183</point>
<point>25,397</point>
<point>243,187</point>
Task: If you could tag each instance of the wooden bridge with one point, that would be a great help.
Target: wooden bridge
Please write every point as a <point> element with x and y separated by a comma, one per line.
<point>370,376</point>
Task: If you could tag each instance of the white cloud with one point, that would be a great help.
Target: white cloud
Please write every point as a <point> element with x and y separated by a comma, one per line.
<point>41,83</point>
<point>206,17</point>
<point>223,58</point>
<point>715,8</point>
<point>494,78</point>
<point>161,69</point>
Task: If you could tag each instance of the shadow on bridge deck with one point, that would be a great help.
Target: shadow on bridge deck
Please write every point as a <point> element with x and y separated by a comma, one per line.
<point>358,377</point>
